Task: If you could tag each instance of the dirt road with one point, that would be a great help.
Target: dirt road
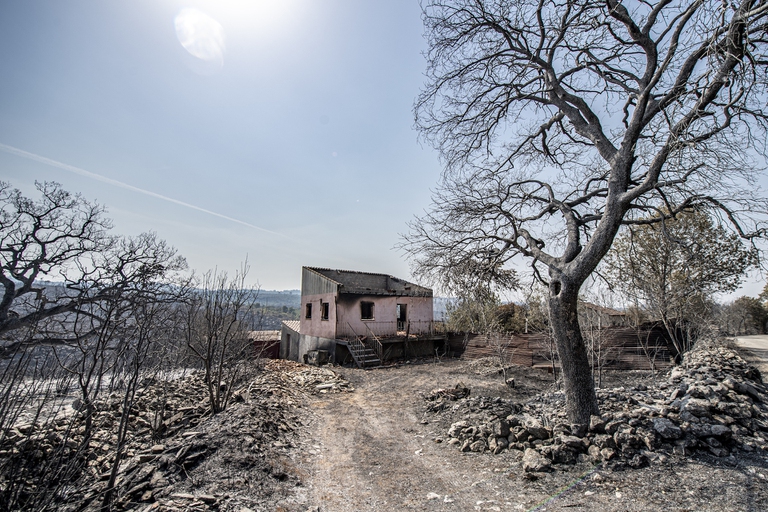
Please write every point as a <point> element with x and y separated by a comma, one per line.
<point>376,454</point>
<point>758,347</point>
<point>372,450</point>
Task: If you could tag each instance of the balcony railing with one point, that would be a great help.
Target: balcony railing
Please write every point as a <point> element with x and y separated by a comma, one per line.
<point>392,329</point>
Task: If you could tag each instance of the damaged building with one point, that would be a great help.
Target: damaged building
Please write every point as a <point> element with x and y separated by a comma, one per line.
<point>362,317</point>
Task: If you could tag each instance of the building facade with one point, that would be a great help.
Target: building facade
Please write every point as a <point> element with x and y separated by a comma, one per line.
<point>339,307</point>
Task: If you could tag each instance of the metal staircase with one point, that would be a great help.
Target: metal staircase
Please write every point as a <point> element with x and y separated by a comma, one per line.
<point>366,353</point>
<point>365,357</point>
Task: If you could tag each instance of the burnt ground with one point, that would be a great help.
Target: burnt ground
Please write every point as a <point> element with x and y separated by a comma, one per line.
<point>299,438</point>
<point>376,449</point>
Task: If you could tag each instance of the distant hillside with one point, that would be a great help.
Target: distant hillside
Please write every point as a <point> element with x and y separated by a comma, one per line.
<point>279,298</point>
<point>277,305</point>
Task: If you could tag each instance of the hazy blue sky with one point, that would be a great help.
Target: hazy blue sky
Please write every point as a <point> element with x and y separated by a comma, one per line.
<point>277,129</point>
<point>291,120</point>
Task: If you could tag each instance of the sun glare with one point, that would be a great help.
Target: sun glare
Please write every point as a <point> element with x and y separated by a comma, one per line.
<point>257,18</point>
<point>201,35</point>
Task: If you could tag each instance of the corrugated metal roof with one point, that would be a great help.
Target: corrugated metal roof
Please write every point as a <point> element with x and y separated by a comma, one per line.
<point>369,283</point>
<point>294,325</point>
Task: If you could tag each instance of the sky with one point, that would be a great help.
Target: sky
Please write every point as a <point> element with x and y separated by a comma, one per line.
<point>281,131</point>
<point>275,130</point>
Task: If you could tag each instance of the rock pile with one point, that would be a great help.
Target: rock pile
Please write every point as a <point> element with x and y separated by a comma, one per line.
<point>310,378</point>
<point>716,404</point>
<point>173,436</point>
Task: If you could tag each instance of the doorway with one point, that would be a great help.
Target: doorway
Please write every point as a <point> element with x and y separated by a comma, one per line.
<point>402,317</point>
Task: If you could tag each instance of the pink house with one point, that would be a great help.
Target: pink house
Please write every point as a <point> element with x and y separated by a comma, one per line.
<point>360,315</point>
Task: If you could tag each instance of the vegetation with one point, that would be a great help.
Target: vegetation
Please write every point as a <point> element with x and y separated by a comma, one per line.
<point>673,269</point>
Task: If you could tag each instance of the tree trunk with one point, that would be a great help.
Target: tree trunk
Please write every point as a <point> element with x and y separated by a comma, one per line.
<point>580,398</point>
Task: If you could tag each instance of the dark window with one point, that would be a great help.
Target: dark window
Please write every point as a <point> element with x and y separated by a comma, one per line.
<point>309,310</point>
<point>366,310</point>
<point>324,307</point>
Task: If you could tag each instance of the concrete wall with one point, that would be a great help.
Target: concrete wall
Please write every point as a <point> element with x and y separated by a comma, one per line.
<point>294,345</point>
<point>415,348</point>
<point>348,311</point>
<point>316,326</point>
<point>313,283</point>
<point>307,343</point>
<point>289,343</point>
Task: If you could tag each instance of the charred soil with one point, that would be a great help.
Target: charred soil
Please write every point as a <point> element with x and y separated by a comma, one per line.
<point>301,438</point>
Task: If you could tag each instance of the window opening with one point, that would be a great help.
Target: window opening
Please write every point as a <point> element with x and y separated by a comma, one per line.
<point>324,308</point>
<point>366,310</point>
<point>309,310</point>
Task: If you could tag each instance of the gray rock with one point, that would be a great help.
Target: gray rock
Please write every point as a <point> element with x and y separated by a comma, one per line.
<point>498,444</point>
<point>721,431</point>
<point>578,429</point>
<point>596,424</point>
<point>563,454</point>
<point>612,426</point>
<point>604,441</point>
<point>735,410</point>
<point>536,429</point>
<point>743,388</point>
<point>701,391</point>
<point>573,442</point>
<point>534,462</point>
<point>500,428</point>
<point>696,407</point>
<point>456,428</point>
<point>666,429</point>
<point>478,446</point>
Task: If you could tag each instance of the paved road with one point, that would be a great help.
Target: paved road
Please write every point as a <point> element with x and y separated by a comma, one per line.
<point>758,346</point>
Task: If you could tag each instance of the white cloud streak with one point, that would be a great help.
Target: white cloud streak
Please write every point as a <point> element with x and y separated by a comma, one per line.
<point>98,177</point>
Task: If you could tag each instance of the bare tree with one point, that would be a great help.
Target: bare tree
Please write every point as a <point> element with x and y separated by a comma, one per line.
<point>151,317</point>
<point>503,351</point>
<point>95,310</point>
<point>745,315</point>
<point>44,238</point>
<point>97,335</point>
<point>219,317</point>
<point>599,348</point>
<point>559,121</point>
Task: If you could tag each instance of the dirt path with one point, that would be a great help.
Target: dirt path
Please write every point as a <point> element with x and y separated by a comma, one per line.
<point>372,451</point>
<point>375,454</point>
<point>757,345</point>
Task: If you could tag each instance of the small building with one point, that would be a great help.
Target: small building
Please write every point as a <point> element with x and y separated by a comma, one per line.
<point>266,344</point>
<point>362,316</point>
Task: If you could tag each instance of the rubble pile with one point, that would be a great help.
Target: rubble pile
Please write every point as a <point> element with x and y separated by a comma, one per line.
<point>172,437</point>
<point>454,393</point>
<point>716,404</point>
<point>313,379</point>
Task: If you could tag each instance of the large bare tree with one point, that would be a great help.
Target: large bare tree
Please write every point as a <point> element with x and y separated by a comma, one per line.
<point>559,121</point>
<point>64,238</point>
